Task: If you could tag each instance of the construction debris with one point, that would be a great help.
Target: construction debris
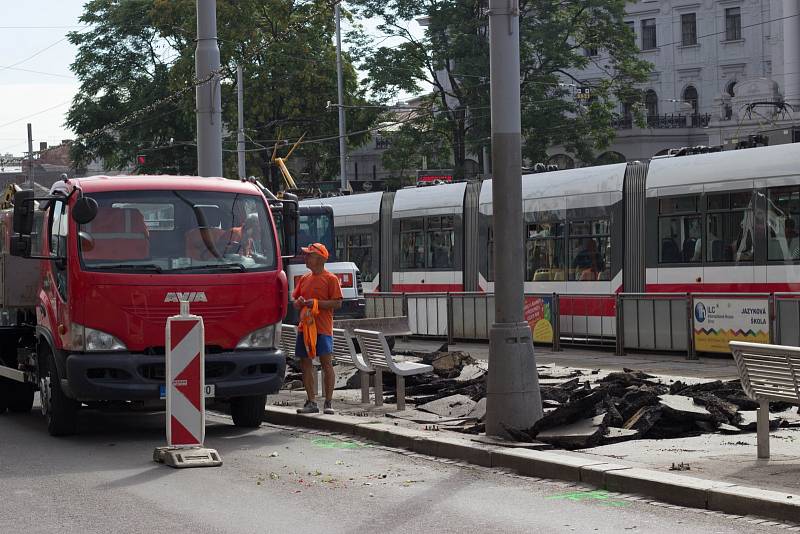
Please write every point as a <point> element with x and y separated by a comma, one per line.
<point>582,407</point>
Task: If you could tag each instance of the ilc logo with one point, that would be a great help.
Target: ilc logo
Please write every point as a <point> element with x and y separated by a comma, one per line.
<point>700,312</point>
<point>188,296</point>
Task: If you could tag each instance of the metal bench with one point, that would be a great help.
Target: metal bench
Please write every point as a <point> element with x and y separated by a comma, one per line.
<point>375,351</point>
<point>344,353</point>
<point>768,373</point>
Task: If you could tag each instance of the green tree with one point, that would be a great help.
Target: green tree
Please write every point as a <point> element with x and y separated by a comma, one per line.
<point>139,52</point>
<point>452,58</point>
<point>414,138</point>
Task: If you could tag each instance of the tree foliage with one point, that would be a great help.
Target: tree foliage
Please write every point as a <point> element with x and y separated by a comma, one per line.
<point>141,51</point>
<point>453,58</point>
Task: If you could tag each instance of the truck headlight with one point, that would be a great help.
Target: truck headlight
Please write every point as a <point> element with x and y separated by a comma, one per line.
<point>263,338</point>
<point>92,340</point>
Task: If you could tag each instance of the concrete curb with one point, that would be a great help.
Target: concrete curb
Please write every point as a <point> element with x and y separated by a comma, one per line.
<point>670,488</point>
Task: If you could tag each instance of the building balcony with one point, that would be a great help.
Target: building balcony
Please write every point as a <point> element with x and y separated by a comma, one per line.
<point>667,120</point>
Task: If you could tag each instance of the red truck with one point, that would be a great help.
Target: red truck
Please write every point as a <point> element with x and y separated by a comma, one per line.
<point>90,272</point>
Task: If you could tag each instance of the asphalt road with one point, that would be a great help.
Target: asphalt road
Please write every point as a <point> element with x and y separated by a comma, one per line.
<point>288,480</point>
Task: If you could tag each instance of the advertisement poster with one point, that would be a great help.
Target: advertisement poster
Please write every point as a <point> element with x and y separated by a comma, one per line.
<point>720,320</point>
<point>539,314</point>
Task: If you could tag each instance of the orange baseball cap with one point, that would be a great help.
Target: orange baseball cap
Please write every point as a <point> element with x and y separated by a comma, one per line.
<point>316,248</point>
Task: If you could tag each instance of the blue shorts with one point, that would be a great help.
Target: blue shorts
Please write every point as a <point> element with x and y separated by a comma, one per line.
<point>324,345</point>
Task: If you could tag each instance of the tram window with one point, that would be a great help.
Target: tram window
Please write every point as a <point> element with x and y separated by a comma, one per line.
<point>680,228</point>
<point>680,239</point>
<point>685,204</point>
<point>412,244</point>
<point>729,228</point>
<point>544,252</point>
<point>441,242</point>
<point>589,250</point>
<point>783,224</point>
<point>360,250</point>
<point>341,253</point>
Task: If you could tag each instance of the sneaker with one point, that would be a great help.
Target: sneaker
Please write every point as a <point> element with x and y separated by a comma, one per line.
<point>328,409</point>
<point>309,407</point>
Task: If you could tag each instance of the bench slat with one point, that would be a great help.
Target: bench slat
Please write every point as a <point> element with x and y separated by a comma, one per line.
<point>770,375</point>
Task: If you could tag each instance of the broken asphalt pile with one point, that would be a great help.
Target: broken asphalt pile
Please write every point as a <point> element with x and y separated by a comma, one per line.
<point>583,408</point>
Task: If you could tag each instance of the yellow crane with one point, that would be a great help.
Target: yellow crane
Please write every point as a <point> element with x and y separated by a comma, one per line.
<point>281,163</point>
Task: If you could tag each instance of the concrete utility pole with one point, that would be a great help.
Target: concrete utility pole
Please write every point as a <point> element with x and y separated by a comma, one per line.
<point>30,157</point>
<point>513,397</point>
<point>240,134</point>
<point>209,99</point>
<point>340,82</point>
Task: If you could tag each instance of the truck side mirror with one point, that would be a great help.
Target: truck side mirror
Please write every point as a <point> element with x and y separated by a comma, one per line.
<point>85,210</point>
<point>21,245</point>
<point>23,212</point>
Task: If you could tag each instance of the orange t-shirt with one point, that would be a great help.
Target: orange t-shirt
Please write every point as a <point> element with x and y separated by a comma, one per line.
<point>323,286</point>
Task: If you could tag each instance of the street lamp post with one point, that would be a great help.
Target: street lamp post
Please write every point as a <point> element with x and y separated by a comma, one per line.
<point>340,90</point>
<point>513,397</point>
<point>209,99</point>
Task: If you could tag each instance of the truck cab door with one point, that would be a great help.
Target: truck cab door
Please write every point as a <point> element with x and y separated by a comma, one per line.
<point>56,277</point>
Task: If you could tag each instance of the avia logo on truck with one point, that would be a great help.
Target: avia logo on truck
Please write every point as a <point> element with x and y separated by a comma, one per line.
<point>191,296</point>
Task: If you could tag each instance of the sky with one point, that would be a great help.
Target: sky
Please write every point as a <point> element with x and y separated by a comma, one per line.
<point>41,99</point>
<point>33,38</point>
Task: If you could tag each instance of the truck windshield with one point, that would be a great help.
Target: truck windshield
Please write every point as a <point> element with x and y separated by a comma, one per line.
<point>178,232</point>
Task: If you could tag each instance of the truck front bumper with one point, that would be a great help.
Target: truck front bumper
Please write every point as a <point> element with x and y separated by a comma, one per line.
<point>119,376</point>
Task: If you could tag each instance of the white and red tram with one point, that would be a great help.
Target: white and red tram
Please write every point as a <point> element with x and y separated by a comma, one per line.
<point>718,222</point>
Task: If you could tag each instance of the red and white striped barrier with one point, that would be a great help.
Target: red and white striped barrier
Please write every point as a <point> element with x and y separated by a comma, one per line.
<point>186,405</point>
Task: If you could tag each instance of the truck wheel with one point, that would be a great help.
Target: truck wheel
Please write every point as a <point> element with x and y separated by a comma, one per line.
<point>60,411</point>
<point>20,397</point>
<point>248,412</point>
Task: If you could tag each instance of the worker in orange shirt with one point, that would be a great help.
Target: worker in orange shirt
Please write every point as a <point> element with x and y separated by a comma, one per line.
<point>316,295</point>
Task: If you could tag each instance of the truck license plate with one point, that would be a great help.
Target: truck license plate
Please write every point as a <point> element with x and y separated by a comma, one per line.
<point>210,391</point>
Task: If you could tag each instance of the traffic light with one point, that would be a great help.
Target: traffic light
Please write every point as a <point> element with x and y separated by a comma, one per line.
<point>141,159</point>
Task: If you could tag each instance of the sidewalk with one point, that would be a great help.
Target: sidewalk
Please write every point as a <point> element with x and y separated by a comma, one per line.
<point>712,471</point>
<point>716,368</point>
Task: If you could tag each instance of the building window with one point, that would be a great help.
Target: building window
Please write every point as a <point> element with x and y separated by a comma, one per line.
<point>690,97</point>
<point>412,244</point>
<point>382,143</point>
<point>590,51</point>
<point>731,89</point>
<point>590,250</point>
<point>649,41</point>
<point>680,230</point>
<point>729,227</point>
<point>733,24</point>
<point>689,29</point>
<point>651,103</point>
<point>544,252</point>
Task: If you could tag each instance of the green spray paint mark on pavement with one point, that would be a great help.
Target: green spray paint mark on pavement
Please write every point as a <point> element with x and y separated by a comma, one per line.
<point>326,443</point>
<point>598,496</point>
